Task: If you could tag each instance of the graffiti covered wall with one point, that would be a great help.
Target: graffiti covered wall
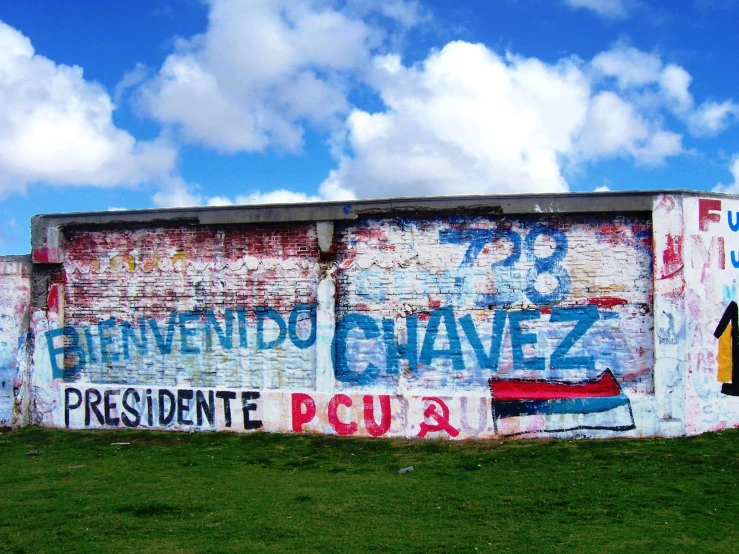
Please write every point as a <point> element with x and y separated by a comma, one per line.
<point>529,310</point>
<point>15,292</point>
<point>207,307</point>
<point>568,323</point>
<point>711,260</point>
<point>453,326</point>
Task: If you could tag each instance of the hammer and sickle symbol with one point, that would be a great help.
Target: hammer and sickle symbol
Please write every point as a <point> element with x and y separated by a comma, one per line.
<point>441,419</point>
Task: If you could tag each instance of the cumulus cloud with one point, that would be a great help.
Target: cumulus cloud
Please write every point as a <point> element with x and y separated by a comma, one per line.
<point>56,127</point>
<point>712,117</point>
<point>280,196</point>
<point>674,83</point>
<point>468,120</point>
<point>731,188</point>
<point>464,120</point>
<point>266,68</point>
<point>609,9</point>
<point>642,77</point>
<point>181,194</point>
<point>175,192</point>
<point>630,66</point>
<point>130,79</point>
<point>614,126</point>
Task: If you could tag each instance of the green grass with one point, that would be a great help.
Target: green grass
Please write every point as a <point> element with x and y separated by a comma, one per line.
<point>173,492</point>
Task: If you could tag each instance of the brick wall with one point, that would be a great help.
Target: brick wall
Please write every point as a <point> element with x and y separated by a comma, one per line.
<point>183,305</point>
<point>495,296</point>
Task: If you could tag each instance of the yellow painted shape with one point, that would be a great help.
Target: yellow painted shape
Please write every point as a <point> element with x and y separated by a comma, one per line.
<point>178,256</point>
<point>724,356</point>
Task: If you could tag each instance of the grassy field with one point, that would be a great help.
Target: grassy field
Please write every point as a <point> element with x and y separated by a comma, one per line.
<point>172,492</point>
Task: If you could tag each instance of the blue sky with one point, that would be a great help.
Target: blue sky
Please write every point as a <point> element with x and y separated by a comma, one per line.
<point>138,104</point>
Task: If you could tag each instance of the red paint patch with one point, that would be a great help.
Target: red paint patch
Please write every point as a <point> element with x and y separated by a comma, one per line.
<point>47,256</point>
<point>54,299</point>
<point>434,303</point>
<point>545,310</point>
<point>370,233</point>
<point>672,257</point>
<point>607,301</point>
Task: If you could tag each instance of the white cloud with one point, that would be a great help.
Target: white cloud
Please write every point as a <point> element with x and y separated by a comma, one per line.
<point>218,201</point>
<point>731,188</point>
<point>406,13</point>
<point>468,121</point>
<point>609,9</point>
<point>603,188</point>
<point>674,82</point>
<point>280,196</point>
<point>176,193</point>
<point>644,79</point>
<point>129,80</point>
<point>465,120</point>
<point>265,68</point>
<point>709,118</point>
<point>613,126</point>
<point>712,117</point>
<point>56,127</point>
<point>630,66</point>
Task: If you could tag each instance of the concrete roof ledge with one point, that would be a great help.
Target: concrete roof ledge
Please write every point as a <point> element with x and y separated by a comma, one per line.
<point>46,230</point>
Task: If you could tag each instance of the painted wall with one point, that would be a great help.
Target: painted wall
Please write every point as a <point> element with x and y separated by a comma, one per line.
<point>14,303</point>
<point>711,261</point>
<point>206,307</point>
<point>469,326</point>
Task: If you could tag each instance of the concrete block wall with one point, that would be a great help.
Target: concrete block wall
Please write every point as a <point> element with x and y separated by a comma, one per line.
<point>554,321</point>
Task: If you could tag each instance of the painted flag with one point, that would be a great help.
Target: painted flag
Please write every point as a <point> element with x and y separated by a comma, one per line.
<point>523,406</point>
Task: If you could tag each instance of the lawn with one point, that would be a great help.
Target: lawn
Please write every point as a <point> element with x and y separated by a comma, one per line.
<point>136,491</point>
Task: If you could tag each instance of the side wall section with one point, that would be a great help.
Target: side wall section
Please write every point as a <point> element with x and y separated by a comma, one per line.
<point>15,295</point>
<point>711,261</point>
